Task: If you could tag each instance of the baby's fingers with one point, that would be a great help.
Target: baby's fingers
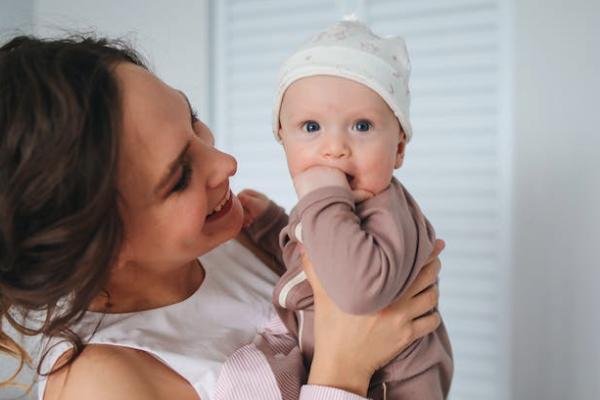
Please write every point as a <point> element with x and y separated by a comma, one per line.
<point>250,193</point>
<point>247,220</point>
<point>360,195</point>
<point>244,197</point>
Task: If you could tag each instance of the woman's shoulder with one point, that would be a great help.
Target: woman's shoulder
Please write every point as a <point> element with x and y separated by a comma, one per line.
<point>113,372</point>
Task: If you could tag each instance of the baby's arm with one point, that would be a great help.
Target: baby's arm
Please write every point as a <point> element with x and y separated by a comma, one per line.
<point>363,264</point>
<point>263,220</point>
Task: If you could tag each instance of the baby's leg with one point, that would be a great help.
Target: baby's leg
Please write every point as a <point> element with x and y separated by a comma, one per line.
<point>425,386</point>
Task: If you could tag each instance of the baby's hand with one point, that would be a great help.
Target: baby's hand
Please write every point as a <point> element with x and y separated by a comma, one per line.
<point>317,177</point>
<point>254,204</point>
<point>361,195</point>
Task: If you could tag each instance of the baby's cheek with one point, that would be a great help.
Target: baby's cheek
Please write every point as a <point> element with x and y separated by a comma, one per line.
<point>298,161</point>
<point>377,176</point>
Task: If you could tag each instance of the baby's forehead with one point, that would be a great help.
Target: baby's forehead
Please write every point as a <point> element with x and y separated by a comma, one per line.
<point>328,91</point>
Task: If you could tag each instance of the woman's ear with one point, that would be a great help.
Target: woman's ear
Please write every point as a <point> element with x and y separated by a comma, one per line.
<point>400,150</point>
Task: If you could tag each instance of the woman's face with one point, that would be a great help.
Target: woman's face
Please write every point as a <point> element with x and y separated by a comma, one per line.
<point>176,203</point>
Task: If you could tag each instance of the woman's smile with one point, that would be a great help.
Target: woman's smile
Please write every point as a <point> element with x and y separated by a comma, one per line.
<point>222,208</point>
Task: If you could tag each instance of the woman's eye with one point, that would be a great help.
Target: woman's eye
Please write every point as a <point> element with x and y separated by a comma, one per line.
<point>311,126</point>
<point>362,125</point>
<point>184,180</point>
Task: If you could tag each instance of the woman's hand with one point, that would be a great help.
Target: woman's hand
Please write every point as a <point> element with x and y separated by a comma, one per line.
<point>350,348</point>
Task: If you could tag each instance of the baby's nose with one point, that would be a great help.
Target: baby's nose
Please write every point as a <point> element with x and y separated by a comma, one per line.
<point>335,147</point>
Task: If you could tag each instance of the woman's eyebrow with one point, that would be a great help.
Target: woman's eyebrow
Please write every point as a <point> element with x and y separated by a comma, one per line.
<point>172,168</point>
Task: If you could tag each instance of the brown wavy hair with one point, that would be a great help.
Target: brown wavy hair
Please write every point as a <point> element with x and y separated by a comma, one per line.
<point>60,229</point>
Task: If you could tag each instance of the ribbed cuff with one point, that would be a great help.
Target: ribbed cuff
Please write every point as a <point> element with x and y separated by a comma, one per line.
<point>315,392</point>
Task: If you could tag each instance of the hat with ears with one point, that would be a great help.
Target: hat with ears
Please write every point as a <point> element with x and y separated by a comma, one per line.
<point>349,49</point>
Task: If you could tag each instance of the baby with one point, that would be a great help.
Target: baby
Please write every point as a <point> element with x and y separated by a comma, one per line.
<point>341,113</point>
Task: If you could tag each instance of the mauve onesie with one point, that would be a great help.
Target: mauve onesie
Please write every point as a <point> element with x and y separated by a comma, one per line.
<point>365,255</point>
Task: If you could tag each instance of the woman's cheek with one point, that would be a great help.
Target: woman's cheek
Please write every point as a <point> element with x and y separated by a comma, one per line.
<point>192,213</point>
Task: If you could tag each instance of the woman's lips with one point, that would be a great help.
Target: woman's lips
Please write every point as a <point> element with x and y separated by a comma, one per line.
<point>224,209</point>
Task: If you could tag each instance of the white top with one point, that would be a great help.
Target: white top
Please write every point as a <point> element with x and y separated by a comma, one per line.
<point>196,336</point>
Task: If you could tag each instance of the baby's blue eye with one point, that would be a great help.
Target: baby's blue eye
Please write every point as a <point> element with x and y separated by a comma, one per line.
<point>362,126</point>
<point>311,126</point>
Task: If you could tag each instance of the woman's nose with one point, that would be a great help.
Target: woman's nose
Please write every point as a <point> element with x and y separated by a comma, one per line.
<point>335,147</point>
<point>223,166</point>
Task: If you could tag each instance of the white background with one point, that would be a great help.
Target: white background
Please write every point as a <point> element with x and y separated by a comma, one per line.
<point>553,55</point>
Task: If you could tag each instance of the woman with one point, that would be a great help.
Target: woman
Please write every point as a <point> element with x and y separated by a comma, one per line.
<point>110,191</point>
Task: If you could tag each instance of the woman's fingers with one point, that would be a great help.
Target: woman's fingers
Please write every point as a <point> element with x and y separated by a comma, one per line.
<point>426,277</point>
<point>438,247</point>
<point>426,324</point>
<point>424,302</point>
<point>430,271</point>
<point>314,281</point>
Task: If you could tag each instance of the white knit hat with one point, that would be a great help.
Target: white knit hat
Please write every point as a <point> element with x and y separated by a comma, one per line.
<point>350,50</point>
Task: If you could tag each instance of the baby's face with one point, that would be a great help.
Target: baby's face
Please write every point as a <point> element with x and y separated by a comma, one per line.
<point>340,123</point>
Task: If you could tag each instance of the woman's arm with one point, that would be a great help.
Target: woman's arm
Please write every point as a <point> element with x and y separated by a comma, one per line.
<point>105,372</point>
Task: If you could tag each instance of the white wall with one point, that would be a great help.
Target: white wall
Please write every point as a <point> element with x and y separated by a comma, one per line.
<point>556,202</point>
<point>173,34</point>
<point>16,16</point>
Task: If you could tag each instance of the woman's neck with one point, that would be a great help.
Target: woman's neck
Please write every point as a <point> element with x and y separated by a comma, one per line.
<point>137,288</point>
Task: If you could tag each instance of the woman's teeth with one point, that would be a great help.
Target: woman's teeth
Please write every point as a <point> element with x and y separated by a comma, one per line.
<point>221,204</point>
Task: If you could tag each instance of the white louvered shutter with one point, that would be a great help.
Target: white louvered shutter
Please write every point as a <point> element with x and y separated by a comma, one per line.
<point>456,165</point>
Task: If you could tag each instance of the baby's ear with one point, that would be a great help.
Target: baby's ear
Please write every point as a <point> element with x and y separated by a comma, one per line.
<point>400,150</point>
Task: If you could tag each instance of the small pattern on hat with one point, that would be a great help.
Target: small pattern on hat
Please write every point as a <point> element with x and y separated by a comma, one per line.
<point>349,49</point>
